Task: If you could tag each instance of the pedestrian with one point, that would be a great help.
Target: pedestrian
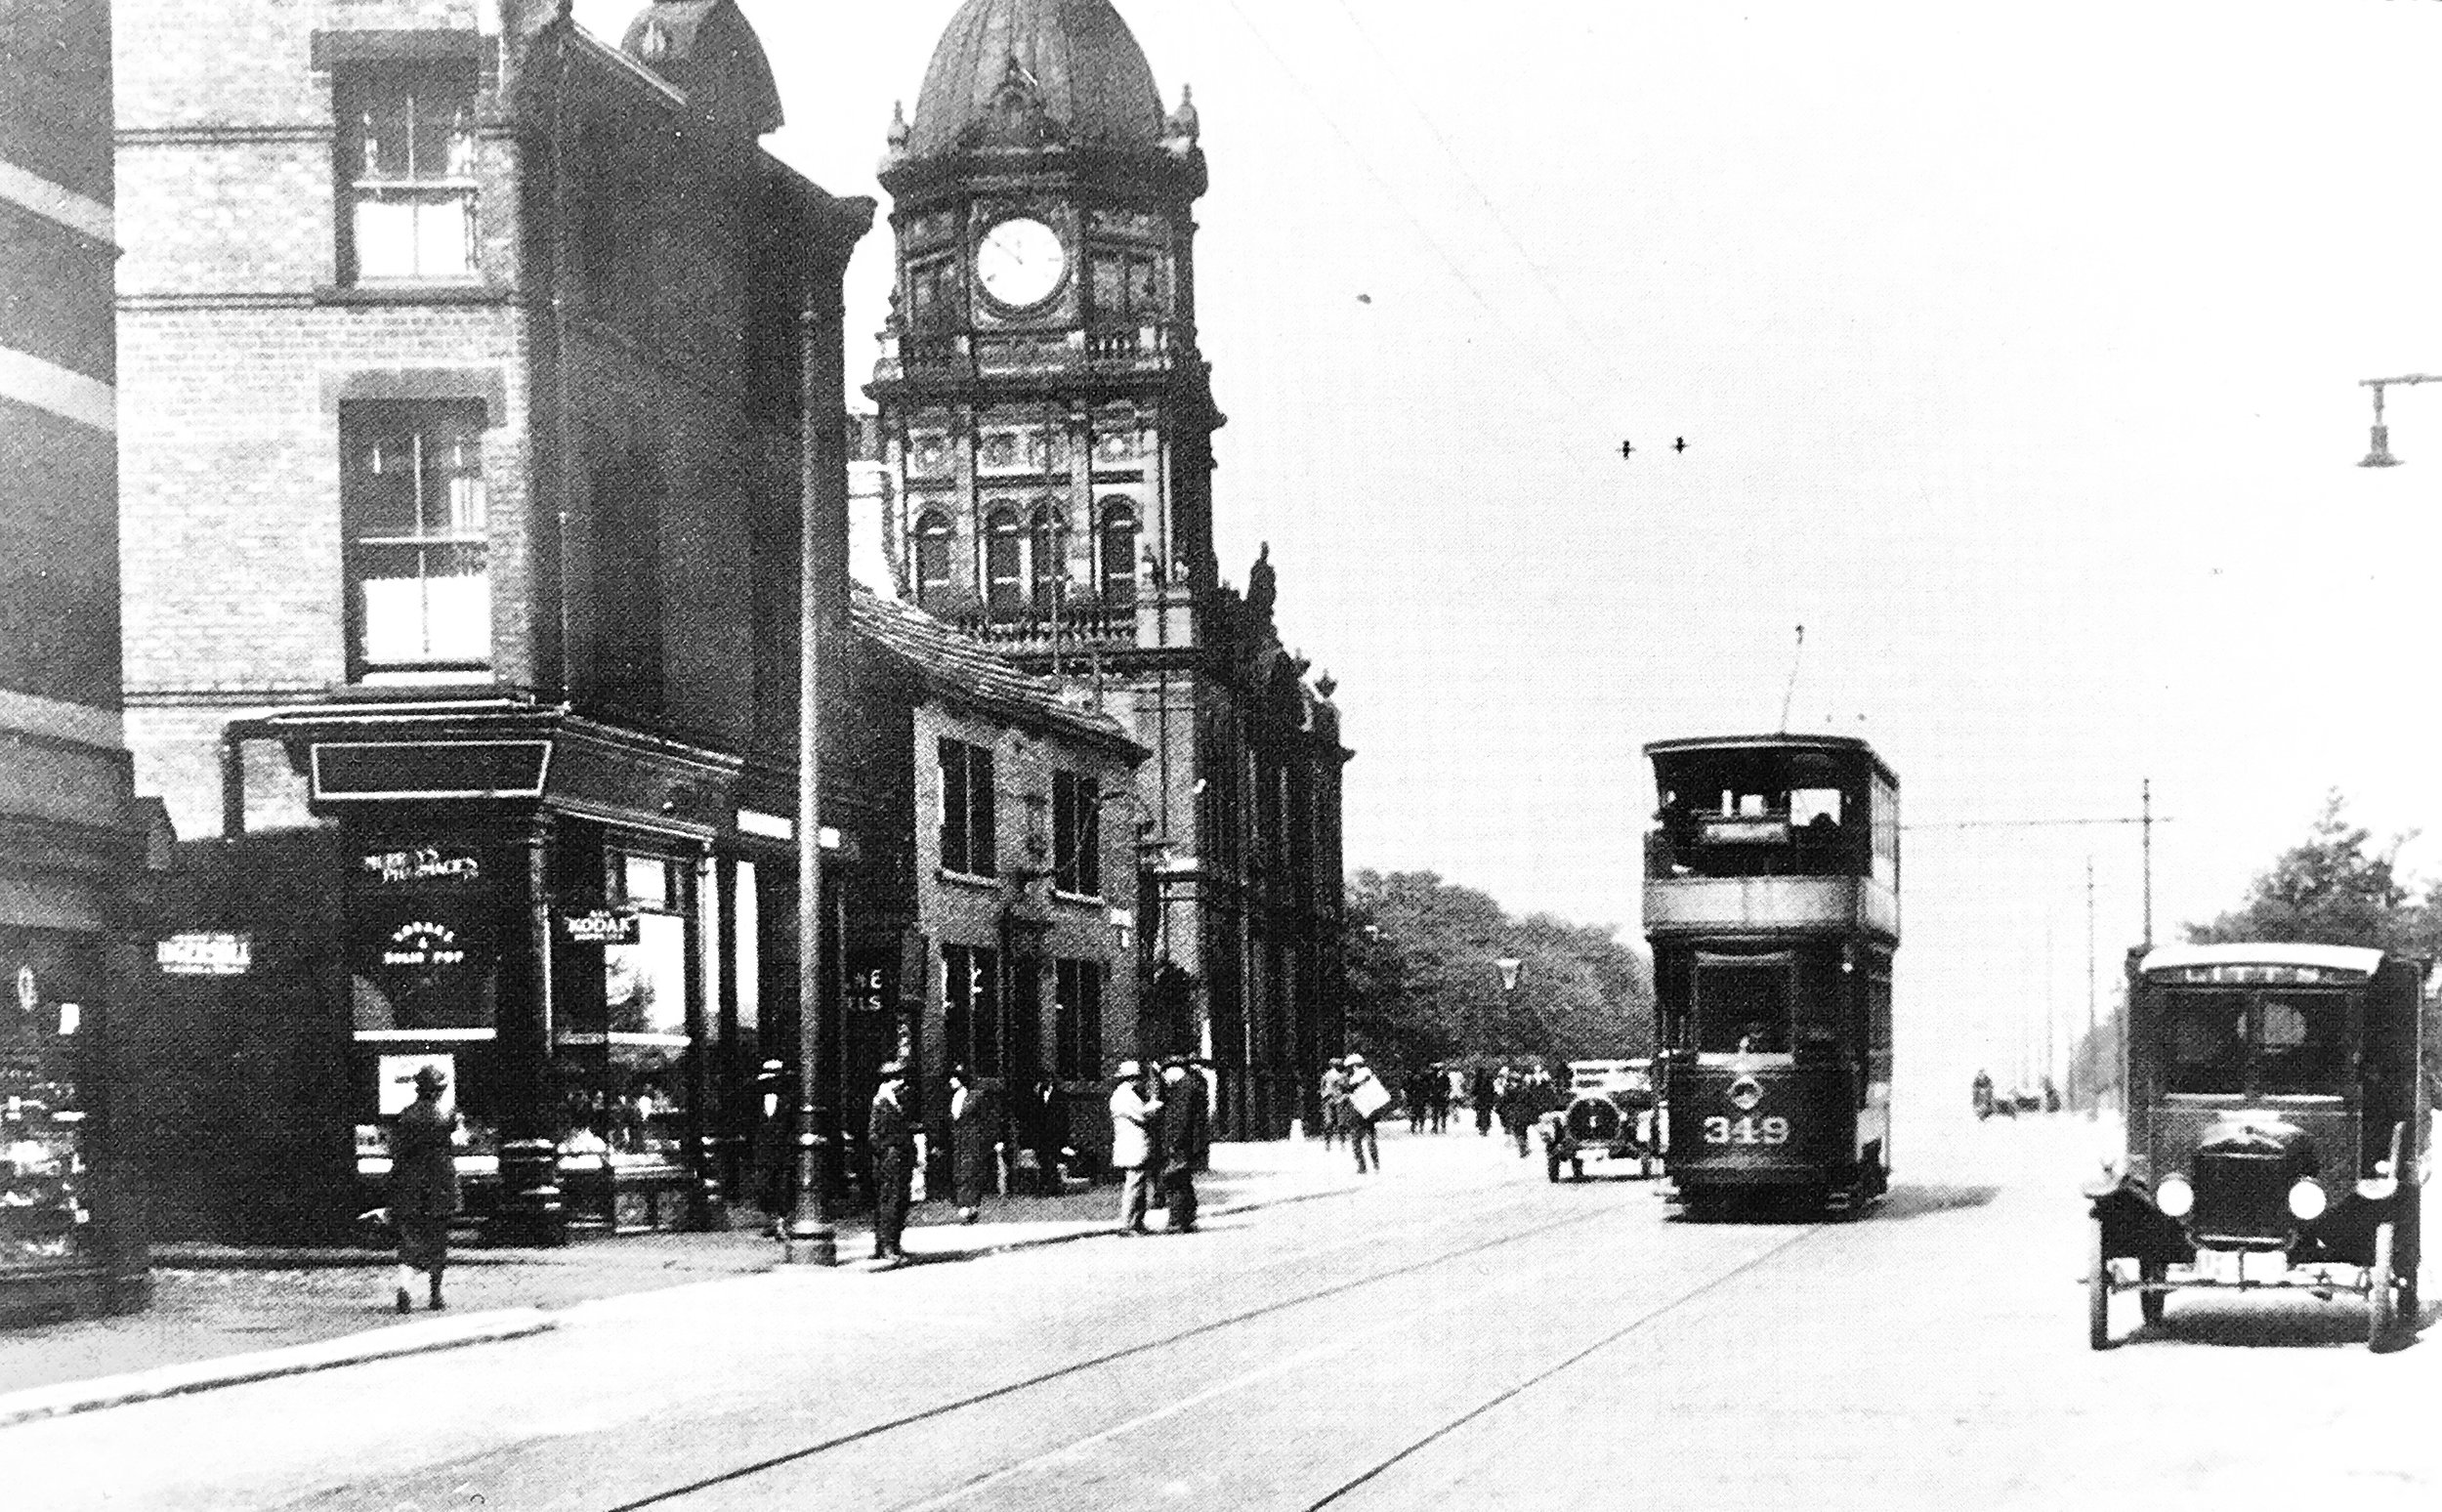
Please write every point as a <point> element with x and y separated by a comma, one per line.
<point>1366,1099</point>
<point>1482,1095</point>
<point>973,1142</point>
<point>1334,1103</point>
<point>1417,1091</point>
<point>1437,1091</point>
<point>1980,1093</point>
<point>1186,1135</point>
<point>424,1185</point>
<point>890,1138</point>
<point>1132,1129</point>
<point>1047,1134</point>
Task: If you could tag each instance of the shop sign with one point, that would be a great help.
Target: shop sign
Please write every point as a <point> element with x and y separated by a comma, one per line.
<point>423,865</point>
<point>205,953</point>
<point>601,927</point>
<point>423,947</point>
<point>868,989</point>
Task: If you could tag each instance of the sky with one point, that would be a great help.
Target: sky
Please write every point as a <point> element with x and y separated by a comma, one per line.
<point>2017,351</point>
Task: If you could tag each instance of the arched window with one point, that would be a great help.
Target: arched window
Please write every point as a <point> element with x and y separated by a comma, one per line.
<point>1049,551</point>
<point>932,556</point>
<point>1004,568</point>
<point>1119,553</point>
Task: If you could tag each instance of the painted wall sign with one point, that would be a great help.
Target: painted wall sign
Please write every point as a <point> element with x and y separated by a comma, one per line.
<point>423,947</point>
<point>601,927</point>
<point>422,864</point>
<point>205,953</point>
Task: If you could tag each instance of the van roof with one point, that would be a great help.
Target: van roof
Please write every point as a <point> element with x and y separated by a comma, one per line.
<point>2354,958</point>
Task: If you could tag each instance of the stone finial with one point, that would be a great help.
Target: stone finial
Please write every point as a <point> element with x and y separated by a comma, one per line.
<point>897,136</point>
<point>1326,685</point>
<point>1185,125</point>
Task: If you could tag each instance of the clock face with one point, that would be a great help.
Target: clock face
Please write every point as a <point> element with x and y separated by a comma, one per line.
<point>1021,262</point>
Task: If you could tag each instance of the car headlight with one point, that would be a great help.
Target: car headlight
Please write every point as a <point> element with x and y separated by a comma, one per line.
<point>2306,1202</point>
<point>2174,1196</point>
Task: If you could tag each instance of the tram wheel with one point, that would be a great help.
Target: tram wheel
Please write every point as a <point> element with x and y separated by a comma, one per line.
<point>2150,1302</point>
<point>2097,1290</point>
<point>2383,1310</point>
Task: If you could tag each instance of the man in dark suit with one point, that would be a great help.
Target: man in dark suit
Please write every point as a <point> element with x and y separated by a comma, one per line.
<point>1185,1136</point>
<point>891,1137</point>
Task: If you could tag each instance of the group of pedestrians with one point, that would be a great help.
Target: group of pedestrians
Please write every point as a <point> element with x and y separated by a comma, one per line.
<point>1161,1135</point>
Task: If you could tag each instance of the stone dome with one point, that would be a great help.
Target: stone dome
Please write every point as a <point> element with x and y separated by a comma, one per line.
<point>1025,72</point>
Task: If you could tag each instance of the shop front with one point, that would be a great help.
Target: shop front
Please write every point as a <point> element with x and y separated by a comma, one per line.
<point>49,1248</point>
<point>546,910</point>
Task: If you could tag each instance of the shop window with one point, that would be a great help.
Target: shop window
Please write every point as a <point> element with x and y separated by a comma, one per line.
<point>1076,834</point>
<point>407,166</point>
<point>419,585</point>
<point>932,557</point>
<point>1076,1020</point>
<point>969,823</point>
<point>971,1008</point>
<point>1005,566</point>
<point>1119,553</point>
<point>49,986</point>
<point>423,949</point>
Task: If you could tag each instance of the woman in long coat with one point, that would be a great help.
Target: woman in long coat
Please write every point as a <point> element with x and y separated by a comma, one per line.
<point>423,1185</point>
<point>974,1138</point>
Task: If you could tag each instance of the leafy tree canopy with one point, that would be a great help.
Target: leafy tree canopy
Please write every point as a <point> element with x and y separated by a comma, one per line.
<point>1423,986</point>
<point>2337,887</point>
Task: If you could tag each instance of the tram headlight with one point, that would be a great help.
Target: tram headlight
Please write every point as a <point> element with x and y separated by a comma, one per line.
<point>2306,1202</point>
<point>2174,1196</point>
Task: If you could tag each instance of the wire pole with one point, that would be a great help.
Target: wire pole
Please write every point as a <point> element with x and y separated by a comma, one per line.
<point>2148,800</point>
<point>2096,1091</point>
<point>1791,692</point>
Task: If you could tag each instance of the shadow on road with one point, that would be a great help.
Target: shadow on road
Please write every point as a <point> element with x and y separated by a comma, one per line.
<point>1904,1202</point>
<point>2286,1320</point>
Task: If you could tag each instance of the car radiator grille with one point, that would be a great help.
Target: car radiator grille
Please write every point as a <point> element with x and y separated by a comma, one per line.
<point>2241,1196</point>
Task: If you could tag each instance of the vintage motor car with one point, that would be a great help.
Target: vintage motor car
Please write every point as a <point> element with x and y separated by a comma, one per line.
<point>1610,1117</point>
<point>2280,1130</point>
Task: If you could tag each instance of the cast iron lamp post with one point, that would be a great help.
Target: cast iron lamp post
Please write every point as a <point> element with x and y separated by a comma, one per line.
<point>2379,453</point>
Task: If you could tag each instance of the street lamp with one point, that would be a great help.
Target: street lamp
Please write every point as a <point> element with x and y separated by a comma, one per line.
<point>2379,453</point>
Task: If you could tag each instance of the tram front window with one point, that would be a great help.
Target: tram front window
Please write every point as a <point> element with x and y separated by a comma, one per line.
<point>1743,1008</point>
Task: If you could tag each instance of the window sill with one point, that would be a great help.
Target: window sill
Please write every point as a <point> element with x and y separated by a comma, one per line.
<point>1081,900</point>
<point>438,292</point>
<point>976,880</point>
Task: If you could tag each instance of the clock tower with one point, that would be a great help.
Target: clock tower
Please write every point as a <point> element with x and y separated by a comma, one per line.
<point>1046,421</point>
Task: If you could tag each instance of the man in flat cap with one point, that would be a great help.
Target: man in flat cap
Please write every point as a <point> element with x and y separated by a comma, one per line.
<point>891,1135</point>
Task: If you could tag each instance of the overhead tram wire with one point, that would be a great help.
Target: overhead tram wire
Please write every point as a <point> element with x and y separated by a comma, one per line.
<point>1571,320</point>
<point>1357,155</point>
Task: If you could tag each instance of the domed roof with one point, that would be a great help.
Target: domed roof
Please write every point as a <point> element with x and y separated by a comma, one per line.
<point>1072,67</point>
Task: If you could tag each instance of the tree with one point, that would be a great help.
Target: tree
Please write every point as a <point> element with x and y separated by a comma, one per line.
<point>2332,888</point>
<point>1422,985</point>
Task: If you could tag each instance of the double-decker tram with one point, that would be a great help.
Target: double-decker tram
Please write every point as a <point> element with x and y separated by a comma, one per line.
<point>1772,907</point>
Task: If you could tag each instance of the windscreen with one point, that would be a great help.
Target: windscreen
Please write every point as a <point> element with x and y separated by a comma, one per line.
<point>2292,1044</point>
<point>1743,1004</point>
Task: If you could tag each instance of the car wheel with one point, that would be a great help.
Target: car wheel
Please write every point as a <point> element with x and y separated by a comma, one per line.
<point>2383,1306</point>
<point>2151,1303</point>
<point>2097,1290</point>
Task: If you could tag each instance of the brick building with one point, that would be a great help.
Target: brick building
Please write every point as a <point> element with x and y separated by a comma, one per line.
<point>1046,423</point>
<point>479,373</point>
<point>1024,960</point>
<point>71,838</point>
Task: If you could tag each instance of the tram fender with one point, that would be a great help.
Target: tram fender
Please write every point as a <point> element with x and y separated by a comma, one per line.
<point>2133,1228</point>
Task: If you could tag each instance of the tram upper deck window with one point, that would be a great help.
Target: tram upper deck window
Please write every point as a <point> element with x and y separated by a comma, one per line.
<point>1743,1005</point>
<point>1759,821</point>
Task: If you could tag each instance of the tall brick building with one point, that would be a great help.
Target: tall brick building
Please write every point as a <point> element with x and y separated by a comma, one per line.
<point>71,843</point>
<point>1046,426</point>
<point>478,372</point>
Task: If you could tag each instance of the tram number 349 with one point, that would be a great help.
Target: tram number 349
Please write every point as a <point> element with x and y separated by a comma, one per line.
<point>1747,1131</point>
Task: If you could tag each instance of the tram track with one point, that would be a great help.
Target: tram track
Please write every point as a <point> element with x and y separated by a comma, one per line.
<point>1074,1369</point>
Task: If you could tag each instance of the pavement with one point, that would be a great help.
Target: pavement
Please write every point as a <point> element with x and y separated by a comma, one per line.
<point>225,1316</point>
